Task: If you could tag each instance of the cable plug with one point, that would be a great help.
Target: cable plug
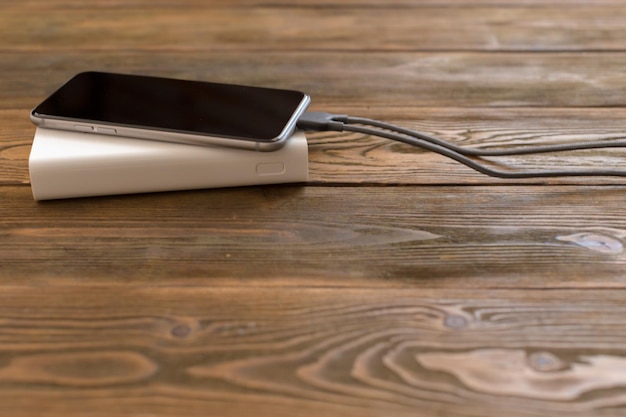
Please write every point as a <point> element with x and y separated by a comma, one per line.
<point>320,121</point>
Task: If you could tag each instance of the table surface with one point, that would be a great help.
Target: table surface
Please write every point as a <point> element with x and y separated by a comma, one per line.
<point>395,282</point>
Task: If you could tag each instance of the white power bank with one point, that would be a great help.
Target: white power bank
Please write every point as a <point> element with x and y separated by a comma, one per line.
<point>66,164</point>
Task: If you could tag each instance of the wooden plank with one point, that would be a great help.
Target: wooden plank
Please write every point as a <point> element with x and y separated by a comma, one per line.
<point>355,79</point>
<point>340,158</point>
<point>205,28</point>
<point>16,138</point>
<point>468,237</point>
<point>175,351</point>
<point>406,4</point>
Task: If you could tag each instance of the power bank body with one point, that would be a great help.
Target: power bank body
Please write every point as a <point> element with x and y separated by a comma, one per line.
<point>65,164</point>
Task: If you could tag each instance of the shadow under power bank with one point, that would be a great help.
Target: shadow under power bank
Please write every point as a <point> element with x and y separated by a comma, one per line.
<point>73,164</point>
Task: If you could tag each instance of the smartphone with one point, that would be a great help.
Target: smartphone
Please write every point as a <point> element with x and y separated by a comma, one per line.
<point>173,110</point>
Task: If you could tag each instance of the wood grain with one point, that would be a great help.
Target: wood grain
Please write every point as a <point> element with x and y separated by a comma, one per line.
<point>357,79</point>
<point>542,237</point>
<point>410,4</point>
<point>197,351</point>
<point>203,27</point>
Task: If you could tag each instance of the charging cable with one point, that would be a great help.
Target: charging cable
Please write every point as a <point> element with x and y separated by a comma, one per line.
<point>319,121</point>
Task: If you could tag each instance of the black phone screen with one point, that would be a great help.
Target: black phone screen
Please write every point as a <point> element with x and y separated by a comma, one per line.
<point>213,109</point>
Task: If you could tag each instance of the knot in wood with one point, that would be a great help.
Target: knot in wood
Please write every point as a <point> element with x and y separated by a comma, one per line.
<point>545,362</point>
<point>181,330</point>
<point>595,242</point>
<point>455,321</point>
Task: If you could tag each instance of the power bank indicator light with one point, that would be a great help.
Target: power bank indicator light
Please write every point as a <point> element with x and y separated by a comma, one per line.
<point>270,168</point>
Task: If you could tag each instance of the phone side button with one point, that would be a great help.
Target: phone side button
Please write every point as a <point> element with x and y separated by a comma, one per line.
<point>270,168</point>
<point>83,128</point>
<point>106,131</point>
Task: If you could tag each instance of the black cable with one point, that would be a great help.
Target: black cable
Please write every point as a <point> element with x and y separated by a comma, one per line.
<point>339,123</point>
<point>476,165</point>
<point>526,150</point>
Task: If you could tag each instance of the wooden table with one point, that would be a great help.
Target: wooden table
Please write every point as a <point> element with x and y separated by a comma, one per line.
<point>394,283</point>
